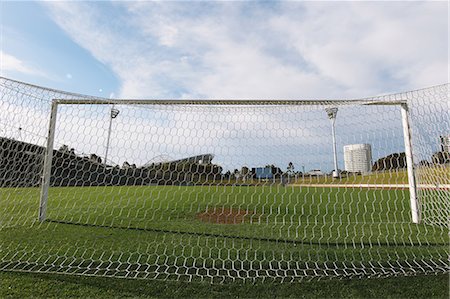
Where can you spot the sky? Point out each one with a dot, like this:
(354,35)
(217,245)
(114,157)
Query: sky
(226,49)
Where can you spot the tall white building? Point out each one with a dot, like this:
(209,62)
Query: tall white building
(445,143)
(358,158)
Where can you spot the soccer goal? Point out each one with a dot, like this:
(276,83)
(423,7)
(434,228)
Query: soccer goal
(224,190)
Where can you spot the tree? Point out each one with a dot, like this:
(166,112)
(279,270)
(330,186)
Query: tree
(440,158)
(64,148)
(424,163)
(290,169)
(245,171)
(390,162)
(275,170)
(95,158)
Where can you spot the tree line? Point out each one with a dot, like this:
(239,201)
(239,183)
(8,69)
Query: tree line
(21,165)
(398,161)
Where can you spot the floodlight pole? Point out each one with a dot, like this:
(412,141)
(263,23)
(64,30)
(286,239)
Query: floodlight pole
(332,116)
(415,207)
(46,173)
(113,114)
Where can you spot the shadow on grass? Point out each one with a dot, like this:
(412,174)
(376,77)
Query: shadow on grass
(379,243)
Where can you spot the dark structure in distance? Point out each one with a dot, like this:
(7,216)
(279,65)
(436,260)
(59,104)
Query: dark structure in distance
(21,166)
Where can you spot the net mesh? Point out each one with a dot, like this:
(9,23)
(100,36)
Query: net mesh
(222,191)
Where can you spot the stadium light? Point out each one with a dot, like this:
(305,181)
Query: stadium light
(331,112)
(113,114)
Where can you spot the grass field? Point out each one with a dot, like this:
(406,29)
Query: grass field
(27,285)
(154,231)
(397,177)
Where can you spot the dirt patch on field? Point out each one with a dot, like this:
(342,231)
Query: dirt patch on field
(222,215)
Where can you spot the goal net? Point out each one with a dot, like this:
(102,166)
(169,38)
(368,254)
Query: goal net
(224,190)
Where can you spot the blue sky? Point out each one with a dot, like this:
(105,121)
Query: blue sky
(35,49)
(206,49)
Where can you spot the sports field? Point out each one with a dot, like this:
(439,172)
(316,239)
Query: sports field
(162,232)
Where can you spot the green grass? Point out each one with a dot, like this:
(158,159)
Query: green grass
(153,232)
(394,177)
(425,175)
(26,285)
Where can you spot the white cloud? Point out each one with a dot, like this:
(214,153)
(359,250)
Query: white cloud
(10,63)
(373,47)
(234,50)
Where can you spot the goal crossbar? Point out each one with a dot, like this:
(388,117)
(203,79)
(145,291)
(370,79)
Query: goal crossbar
(243,102)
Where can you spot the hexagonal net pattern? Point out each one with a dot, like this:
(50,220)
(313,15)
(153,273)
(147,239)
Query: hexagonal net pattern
(224,190)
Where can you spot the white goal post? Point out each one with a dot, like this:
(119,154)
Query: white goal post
(415,212)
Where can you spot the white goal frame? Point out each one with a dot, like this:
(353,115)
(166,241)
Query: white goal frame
(414,201)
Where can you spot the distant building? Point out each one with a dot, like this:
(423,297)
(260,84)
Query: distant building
(204,159)
(445,143)
(200,159)
(315,172)
(358,158)
(263,173)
